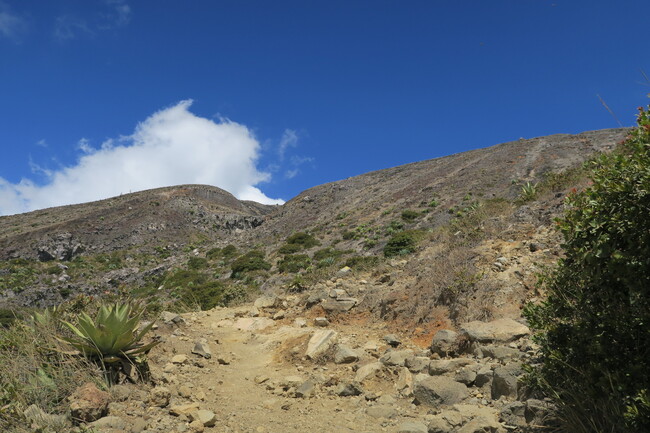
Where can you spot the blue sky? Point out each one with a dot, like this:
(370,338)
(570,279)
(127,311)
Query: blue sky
(268,98)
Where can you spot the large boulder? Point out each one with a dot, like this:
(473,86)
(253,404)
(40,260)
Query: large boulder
(436,390)
(504,383)
(444,342)
(320,342)
(500,331)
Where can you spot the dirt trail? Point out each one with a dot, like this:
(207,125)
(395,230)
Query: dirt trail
(249,383)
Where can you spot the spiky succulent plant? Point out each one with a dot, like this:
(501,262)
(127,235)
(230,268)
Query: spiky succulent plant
(113,336)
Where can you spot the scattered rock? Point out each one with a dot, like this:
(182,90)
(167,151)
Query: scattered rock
(504,383)
(513,414)
(412,427)
(160,396)
(109,422)
(442,366)
(279,315)
(169,318)
(392,340)
(396,357)
(404,384)
(185,409)
(367,370)
(179,359)
(305,389)
(321,322)
(349,389)
(382,411)
(206,417)
(39,417)
(345,354)
(417,364)
(343,271)
(201,348)
(266,301)
(500,352)
(466,376)
(320,342)
(338,305)
(88,403)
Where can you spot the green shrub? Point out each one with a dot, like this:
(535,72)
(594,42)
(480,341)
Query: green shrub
(594,327)
(410,215)
(293,263)
(290,248)
(402,243)
(304,239)
(327,253)
(251,261)
(226,253)
(197,263)
(347,235)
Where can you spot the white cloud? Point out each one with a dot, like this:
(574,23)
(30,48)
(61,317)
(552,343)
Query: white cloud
(113,14)
(289,139)
(171,147)
(84,146)
(11,25)
(41,143)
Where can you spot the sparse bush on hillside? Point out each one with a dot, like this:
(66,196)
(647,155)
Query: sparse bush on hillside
(410,215)
(593,328)
(362,262)
(37,368)
(402,243)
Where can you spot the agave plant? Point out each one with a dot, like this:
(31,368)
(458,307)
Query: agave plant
(113,339)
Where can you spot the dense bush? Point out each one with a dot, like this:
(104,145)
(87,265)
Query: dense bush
(227,252)
(402,243)
(293,263)
(251,261)
(290,248)
(304,239)
(594,327)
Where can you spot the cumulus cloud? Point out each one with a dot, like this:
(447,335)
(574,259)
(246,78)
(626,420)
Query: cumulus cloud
(171,147)
(11,25)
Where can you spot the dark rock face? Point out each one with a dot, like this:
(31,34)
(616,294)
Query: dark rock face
(61,246)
